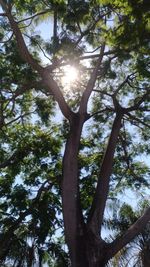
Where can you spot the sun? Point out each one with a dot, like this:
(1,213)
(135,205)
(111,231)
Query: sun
(70,75)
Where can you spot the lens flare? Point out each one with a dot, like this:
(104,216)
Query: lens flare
(70,75)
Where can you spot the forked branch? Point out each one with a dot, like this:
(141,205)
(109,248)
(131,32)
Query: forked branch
(20,41)
(91,83)
(44,72)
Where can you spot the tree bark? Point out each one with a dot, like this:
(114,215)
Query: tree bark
(97,210)
(146,256)
(129,235)
(73,219)
(91,251)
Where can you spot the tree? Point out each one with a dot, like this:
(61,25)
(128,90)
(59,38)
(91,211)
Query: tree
(136,253)
(112,95)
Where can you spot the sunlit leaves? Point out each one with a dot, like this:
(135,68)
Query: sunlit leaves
(33,134)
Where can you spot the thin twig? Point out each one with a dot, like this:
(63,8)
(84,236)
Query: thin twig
(138,120)
(33,16)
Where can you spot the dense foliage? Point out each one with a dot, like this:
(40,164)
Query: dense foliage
(108,43)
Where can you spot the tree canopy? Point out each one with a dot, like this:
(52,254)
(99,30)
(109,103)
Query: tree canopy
(70,150)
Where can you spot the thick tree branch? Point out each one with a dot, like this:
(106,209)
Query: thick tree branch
(53,88)
(20,41)
(50,86)
(129,235)
(91,83)
(97,210)
(48,81)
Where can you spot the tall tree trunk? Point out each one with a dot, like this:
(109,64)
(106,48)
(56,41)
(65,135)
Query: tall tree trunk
(73,219)
(91,251)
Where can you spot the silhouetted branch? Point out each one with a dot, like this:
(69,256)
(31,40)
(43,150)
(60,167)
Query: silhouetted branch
(129,235)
